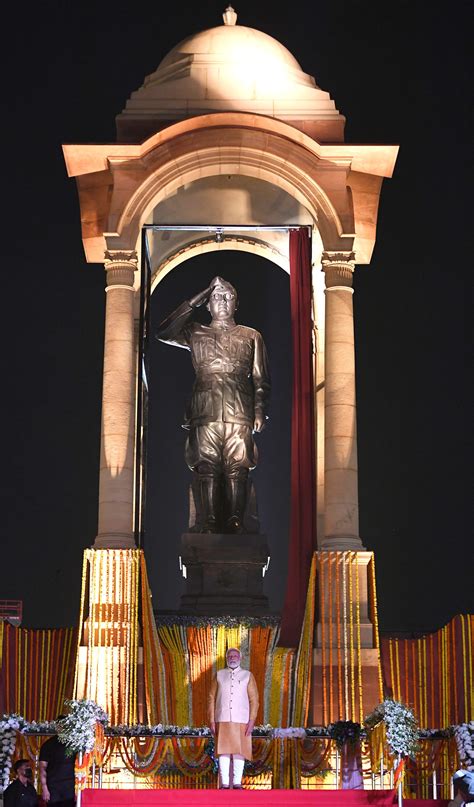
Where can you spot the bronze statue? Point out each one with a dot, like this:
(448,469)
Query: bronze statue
(229,402)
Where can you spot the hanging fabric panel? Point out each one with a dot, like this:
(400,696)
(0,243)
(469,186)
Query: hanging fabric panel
(303,477)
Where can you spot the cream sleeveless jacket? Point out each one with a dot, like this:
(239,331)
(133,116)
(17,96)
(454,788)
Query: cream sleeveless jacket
(233,697)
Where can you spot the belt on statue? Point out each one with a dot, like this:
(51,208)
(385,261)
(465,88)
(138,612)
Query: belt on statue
(237,374)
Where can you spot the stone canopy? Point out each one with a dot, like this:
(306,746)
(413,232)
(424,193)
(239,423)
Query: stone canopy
(229,124)
(230,132)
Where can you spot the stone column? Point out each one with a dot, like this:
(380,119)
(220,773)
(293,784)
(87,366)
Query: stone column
(116,487)
(341,530)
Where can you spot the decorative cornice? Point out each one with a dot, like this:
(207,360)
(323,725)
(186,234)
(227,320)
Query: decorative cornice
(338,268)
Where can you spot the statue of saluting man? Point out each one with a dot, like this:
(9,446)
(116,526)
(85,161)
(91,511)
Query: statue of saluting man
(229,403)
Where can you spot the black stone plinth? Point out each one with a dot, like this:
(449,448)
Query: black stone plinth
(224,574)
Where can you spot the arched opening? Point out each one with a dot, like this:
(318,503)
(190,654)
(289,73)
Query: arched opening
(264,304)
(259,202)
(253,155)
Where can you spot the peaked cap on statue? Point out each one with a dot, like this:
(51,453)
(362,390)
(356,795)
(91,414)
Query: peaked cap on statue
(219,284)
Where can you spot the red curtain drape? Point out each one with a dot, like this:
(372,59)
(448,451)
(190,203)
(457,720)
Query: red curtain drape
(303,481)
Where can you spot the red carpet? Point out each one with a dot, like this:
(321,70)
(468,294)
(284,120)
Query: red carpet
(253,798)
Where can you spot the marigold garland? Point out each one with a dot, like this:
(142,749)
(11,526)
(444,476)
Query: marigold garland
(107,652)
(434,673)
(304,656)
(37,668)
(291,754)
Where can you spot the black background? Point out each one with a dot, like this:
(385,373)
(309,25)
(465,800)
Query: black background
(398,72)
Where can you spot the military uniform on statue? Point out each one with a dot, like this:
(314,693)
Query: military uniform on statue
(229,402)
(232,711)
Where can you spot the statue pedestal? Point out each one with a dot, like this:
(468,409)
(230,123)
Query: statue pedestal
(224,574)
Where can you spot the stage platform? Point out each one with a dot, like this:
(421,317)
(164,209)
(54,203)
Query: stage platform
(257,798)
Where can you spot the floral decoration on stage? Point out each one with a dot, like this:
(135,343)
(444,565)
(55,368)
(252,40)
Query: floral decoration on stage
(218,621)
(345,731)
(464,734)
(176,751)
(267,731)
(9,726)
(401,726)
(160,730)
(77,731)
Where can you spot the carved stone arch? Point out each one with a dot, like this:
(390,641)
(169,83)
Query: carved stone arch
(210,152)
(203,245)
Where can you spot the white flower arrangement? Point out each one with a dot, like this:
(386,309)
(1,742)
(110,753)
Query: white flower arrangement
(9,725)
(464,734)
(289,733)
(401,724)
(77,730)
(160,729)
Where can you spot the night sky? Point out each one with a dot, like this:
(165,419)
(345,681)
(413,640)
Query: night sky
(398,72)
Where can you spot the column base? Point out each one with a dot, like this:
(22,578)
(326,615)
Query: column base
(110,667)
(365,633)
(92,666)
(114,540)
(347,677)
(341,543)
(331,684)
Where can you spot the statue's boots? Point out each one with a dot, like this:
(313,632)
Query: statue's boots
(236,500)
(209,489)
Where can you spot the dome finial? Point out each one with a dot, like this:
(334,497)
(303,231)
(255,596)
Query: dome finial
(229,16)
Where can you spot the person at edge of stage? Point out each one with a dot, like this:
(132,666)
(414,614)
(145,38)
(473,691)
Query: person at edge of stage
(463,782)
(232,711)
(21,792)
(57,773)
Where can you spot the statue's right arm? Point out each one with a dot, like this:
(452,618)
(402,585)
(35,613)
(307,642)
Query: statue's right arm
(173,329)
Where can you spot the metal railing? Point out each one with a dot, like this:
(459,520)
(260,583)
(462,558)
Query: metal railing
(381,779)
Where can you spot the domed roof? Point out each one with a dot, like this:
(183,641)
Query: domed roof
(233,43)
(229,68)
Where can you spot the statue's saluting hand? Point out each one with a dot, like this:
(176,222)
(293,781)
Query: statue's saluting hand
(202,297)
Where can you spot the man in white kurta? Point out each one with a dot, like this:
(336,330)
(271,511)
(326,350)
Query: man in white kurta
(232,710)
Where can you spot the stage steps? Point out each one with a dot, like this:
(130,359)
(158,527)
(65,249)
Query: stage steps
(255,798)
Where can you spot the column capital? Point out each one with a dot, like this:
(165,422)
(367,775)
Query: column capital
(120,256)
(120,266)
(338,268)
